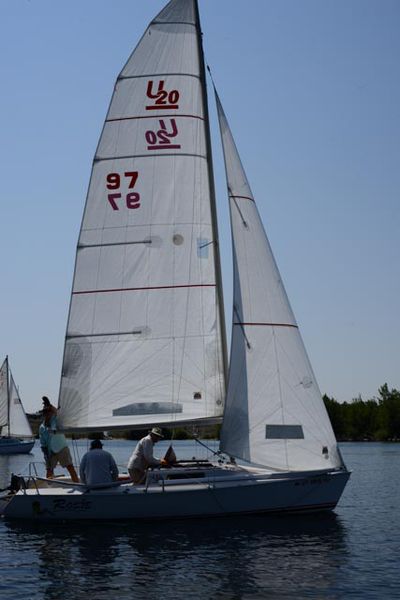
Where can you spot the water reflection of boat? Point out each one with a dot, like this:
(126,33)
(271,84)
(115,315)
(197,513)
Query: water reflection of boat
(255,557)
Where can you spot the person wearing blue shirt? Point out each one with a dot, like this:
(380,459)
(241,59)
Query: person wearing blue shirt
(97,466)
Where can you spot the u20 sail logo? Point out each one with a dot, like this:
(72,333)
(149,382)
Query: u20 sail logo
(162,99)
(161,139)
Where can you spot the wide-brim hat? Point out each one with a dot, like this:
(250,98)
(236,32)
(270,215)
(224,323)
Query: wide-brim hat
(157,431)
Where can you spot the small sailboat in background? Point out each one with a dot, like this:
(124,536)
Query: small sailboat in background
(15,434)
(146,343)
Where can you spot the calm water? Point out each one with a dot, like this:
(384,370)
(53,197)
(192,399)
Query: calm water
(353,553)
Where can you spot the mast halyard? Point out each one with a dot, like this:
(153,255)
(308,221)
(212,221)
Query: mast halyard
(217,257)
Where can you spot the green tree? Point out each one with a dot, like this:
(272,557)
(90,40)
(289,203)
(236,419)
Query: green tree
(389,418)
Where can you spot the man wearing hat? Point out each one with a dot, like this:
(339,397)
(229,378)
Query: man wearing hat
(98,466)
(142,457)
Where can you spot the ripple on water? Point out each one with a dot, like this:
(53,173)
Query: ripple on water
(351,554)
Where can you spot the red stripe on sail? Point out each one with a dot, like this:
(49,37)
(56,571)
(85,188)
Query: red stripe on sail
(140,289)
(155,117)
(270,324)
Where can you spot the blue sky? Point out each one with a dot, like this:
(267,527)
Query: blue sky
(311,89)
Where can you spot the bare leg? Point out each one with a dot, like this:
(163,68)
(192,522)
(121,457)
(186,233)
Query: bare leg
(49,467)
(72,472)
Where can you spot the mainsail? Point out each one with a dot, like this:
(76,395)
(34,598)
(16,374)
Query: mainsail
(144,341)
(274,413)
(13,420)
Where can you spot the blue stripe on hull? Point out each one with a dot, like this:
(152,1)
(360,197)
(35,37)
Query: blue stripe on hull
(17,447)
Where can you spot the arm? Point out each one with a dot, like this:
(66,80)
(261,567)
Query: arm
(44,439)
(148,454)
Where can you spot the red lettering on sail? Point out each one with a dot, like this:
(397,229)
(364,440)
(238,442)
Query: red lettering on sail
(112,198)
(162,99)
(113,182)
(160,140)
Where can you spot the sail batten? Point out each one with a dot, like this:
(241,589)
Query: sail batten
(144,336)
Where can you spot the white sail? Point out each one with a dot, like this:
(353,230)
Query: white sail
(274,413)
(13,420)
(143,342)
(19,424)
(4,397)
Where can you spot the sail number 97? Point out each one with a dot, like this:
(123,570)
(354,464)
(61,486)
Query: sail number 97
(115,181)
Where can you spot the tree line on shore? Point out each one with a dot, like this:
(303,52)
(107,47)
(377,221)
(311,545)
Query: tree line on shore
(377,419)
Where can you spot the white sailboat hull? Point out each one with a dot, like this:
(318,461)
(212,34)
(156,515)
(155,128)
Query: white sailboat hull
(15,446)
(230,494)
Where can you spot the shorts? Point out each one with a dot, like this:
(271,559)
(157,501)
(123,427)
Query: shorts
(137,476)
(63,457)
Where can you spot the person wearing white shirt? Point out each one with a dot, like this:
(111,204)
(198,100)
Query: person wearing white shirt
(142,457)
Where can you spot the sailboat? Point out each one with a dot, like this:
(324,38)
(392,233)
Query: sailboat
(15,434)
(146,343)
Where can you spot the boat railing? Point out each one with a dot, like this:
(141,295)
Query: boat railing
(32,467)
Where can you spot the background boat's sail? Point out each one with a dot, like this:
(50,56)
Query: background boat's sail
(4,397)
(19,424)
(143,342)
(13,420)
(274,413)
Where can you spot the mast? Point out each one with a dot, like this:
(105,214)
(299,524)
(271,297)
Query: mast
(212,195)
(8,395)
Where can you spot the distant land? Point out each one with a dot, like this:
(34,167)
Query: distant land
(377,419)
